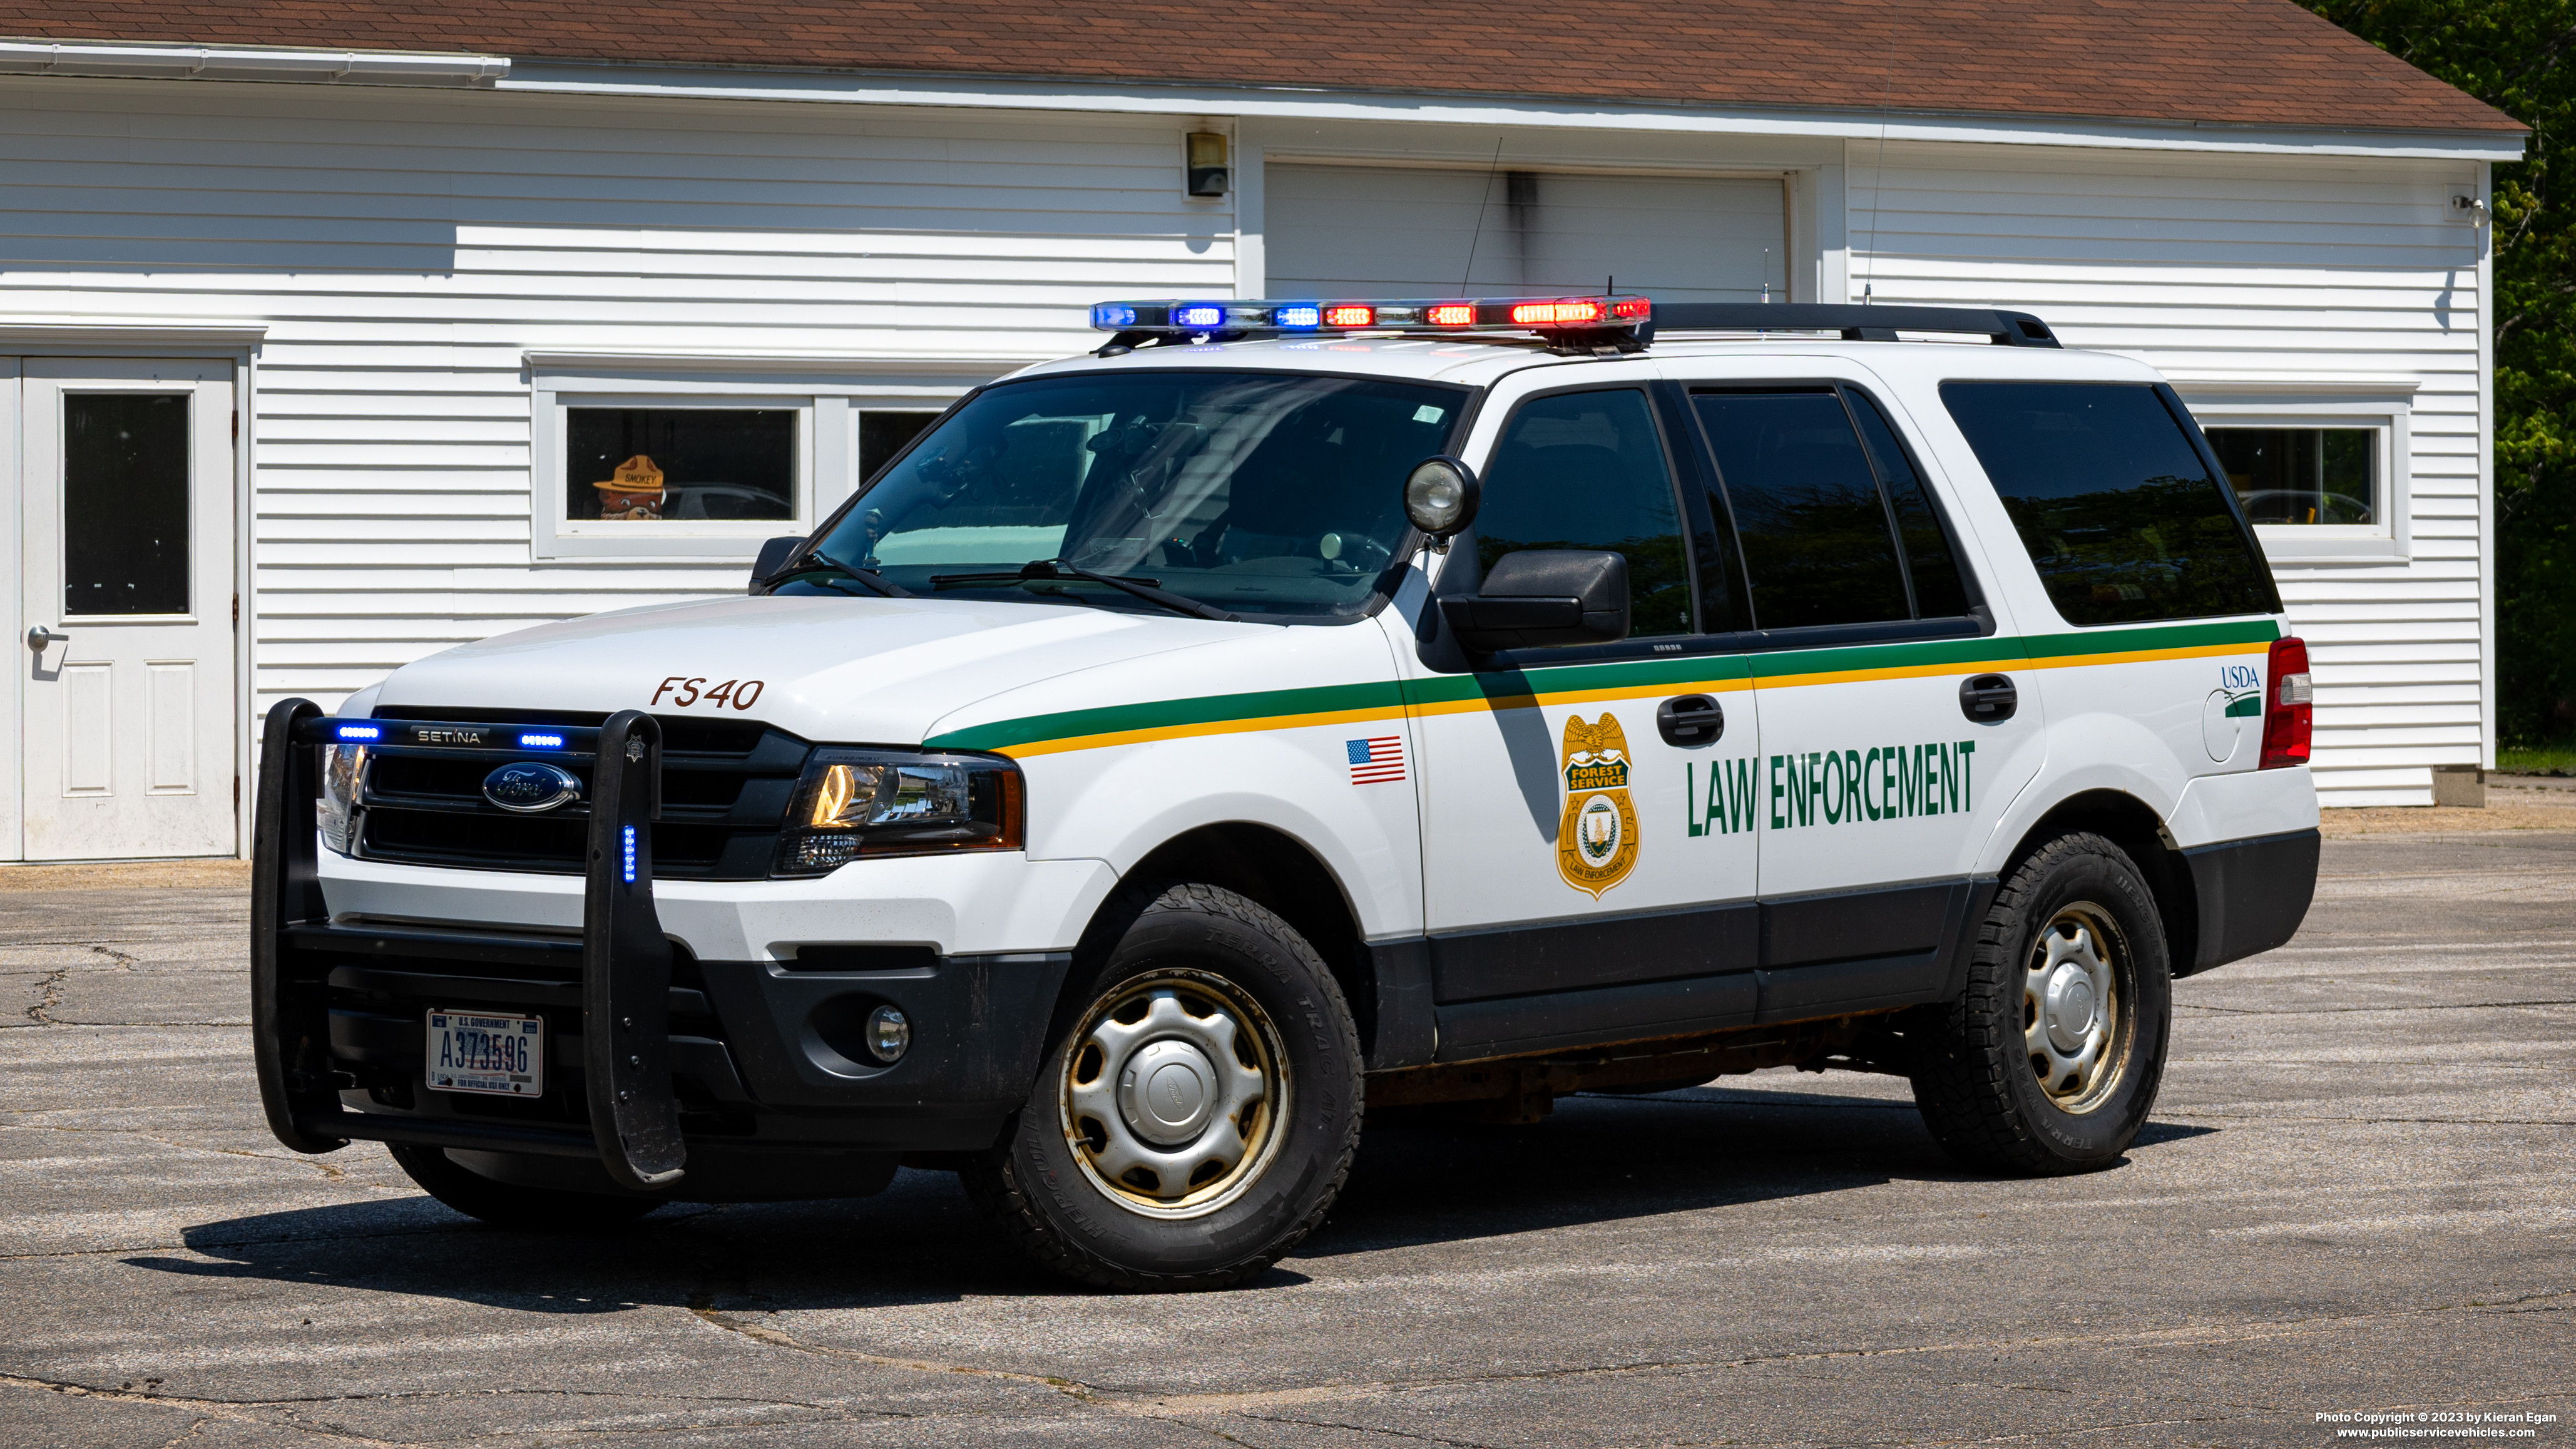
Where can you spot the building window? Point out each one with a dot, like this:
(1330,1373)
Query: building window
(884,432)
(2303,477)
(679,465)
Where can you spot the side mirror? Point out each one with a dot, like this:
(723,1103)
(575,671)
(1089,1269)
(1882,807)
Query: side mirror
(1440,496)
(1544,598)
(773,557)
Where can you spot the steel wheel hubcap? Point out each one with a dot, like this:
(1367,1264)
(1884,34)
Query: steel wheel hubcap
(1173,1090)
(2071,1006)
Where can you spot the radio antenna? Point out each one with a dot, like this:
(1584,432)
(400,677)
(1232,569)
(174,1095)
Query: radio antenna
(1482,202)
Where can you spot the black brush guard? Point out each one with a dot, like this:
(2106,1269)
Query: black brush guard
(625,958)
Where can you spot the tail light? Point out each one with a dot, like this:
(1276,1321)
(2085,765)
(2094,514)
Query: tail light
(2289,706)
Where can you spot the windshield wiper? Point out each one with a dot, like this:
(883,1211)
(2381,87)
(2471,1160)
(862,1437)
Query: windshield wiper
(818,562)
(1056,568)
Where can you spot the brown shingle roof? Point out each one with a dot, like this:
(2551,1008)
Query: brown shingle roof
(2250,62)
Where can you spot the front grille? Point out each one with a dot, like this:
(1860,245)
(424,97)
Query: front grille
(725,787)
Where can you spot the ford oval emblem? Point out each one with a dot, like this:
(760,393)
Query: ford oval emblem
(528,786)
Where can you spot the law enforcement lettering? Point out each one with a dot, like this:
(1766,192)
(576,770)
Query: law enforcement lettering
(1831,787)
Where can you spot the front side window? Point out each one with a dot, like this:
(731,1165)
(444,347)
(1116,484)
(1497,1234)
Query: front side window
(2302,476)
(1257,493)
(2112,501)
(1587,470)
(655,465)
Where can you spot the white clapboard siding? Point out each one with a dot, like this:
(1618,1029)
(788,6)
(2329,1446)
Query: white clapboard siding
(2281,268)
(407,250)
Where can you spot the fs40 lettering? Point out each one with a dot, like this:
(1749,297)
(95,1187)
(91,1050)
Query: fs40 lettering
(694,691)
(1830,787)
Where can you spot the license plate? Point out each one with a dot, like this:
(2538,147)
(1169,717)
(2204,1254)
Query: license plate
(501,1056)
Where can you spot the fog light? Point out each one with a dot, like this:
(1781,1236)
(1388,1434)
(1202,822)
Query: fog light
(888,1034)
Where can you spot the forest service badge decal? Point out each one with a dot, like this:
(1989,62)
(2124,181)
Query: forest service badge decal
(1596,842)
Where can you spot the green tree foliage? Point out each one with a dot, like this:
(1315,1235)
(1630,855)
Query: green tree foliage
(2520,57)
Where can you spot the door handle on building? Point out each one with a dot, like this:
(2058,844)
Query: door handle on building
(38,636)
(1690,719)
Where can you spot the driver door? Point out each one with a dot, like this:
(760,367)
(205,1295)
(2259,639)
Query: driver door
(1577,878)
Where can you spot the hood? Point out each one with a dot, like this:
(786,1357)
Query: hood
(850,671)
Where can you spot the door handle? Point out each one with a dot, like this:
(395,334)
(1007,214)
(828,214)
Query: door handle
(39,636)
(1989,699)
(1690,719)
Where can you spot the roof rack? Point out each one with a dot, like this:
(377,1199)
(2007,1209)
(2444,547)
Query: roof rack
(1857,323)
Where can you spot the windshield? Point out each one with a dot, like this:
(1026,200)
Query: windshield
(1256,493)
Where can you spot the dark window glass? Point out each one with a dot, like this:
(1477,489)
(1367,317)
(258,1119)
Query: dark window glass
(1586,470)
(1938,593)
(679,463)
(2112,501)
(883,434)
(1262,493)
(125,503)
(1807,509)
(2301,475)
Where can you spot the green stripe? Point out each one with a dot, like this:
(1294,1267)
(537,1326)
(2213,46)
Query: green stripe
(1163,714)
(1389,695)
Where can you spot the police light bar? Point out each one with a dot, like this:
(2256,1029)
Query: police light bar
(1425,315)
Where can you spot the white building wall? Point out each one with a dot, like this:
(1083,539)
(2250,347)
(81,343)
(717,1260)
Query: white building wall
(2266,273)
(407,250)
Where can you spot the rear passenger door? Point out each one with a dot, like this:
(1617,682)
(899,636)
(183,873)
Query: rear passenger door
(1878,780)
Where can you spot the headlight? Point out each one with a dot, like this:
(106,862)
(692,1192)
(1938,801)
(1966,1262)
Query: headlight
(852,803)
(343,766)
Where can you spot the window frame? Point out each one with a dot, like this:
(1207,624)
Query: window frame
(827,393)
(1977,622)
(2384,408)
(1462,570)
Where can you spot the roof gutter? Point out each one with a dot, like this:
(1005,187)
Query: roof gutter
(262,63)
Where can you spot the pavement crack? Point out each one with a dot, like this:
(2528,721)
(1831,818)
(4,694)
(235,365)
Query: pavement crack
(731,1323)
(331,1172)
(52,997)
(2366,1010)
(1370,1429)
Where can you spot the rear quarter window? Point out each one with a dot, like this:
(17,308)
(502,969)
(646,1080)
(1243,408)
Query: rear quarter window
(2117,508)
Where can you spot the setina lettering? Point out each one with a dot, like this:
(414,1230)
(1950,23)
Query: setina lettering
(1830,787)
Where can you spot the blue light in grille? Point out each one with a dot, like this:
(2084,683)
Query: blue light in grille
(630,855)
(541,742)
(360,732)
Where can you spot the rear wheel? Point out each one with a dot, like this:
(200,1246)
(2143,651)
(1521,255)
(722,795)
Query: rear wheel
(2050,1062)
(1196,1114)
(505,1205)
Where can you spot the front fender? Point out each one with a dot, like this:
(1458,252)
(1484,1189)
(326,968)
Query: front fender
(1120,803)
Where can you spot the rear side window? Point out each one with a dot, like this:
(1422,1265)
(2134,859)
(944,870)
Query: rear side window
(2116,507)
(1587,470)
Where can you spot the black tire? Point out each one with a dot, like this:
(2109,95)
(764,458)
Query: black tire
(1977,1062)
(1210,949)
(527,1209)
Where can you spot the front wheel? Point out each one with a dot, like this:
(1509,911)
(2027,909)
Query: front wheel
(2050,1061)
(1197,1114)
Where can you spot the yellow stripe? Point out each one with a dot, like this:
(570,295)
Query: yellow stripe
(1497,703)
(1996,666)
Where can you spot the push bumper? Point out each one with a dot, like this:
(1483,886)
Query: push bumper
(699,1079)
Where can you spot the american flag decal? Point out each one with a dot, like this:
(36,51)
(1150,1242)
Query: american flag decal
(1376,762)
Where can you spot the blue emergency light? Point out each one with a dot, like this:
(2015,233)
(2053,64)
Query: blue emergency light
(360,732)
(541,742)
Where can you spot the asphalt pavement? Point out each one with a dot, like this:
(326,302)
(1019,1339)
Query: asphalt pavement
(2354,1199)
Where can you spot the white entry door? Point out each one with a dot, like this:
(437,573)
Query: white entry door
(126,712)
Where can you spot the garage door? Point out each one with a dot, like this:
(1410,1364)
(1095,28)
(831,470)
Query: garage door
(1408,231)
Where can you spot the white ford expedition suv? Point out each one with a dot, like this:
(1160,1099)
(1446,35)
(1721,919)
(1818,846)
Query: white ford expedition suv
(1300,710)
